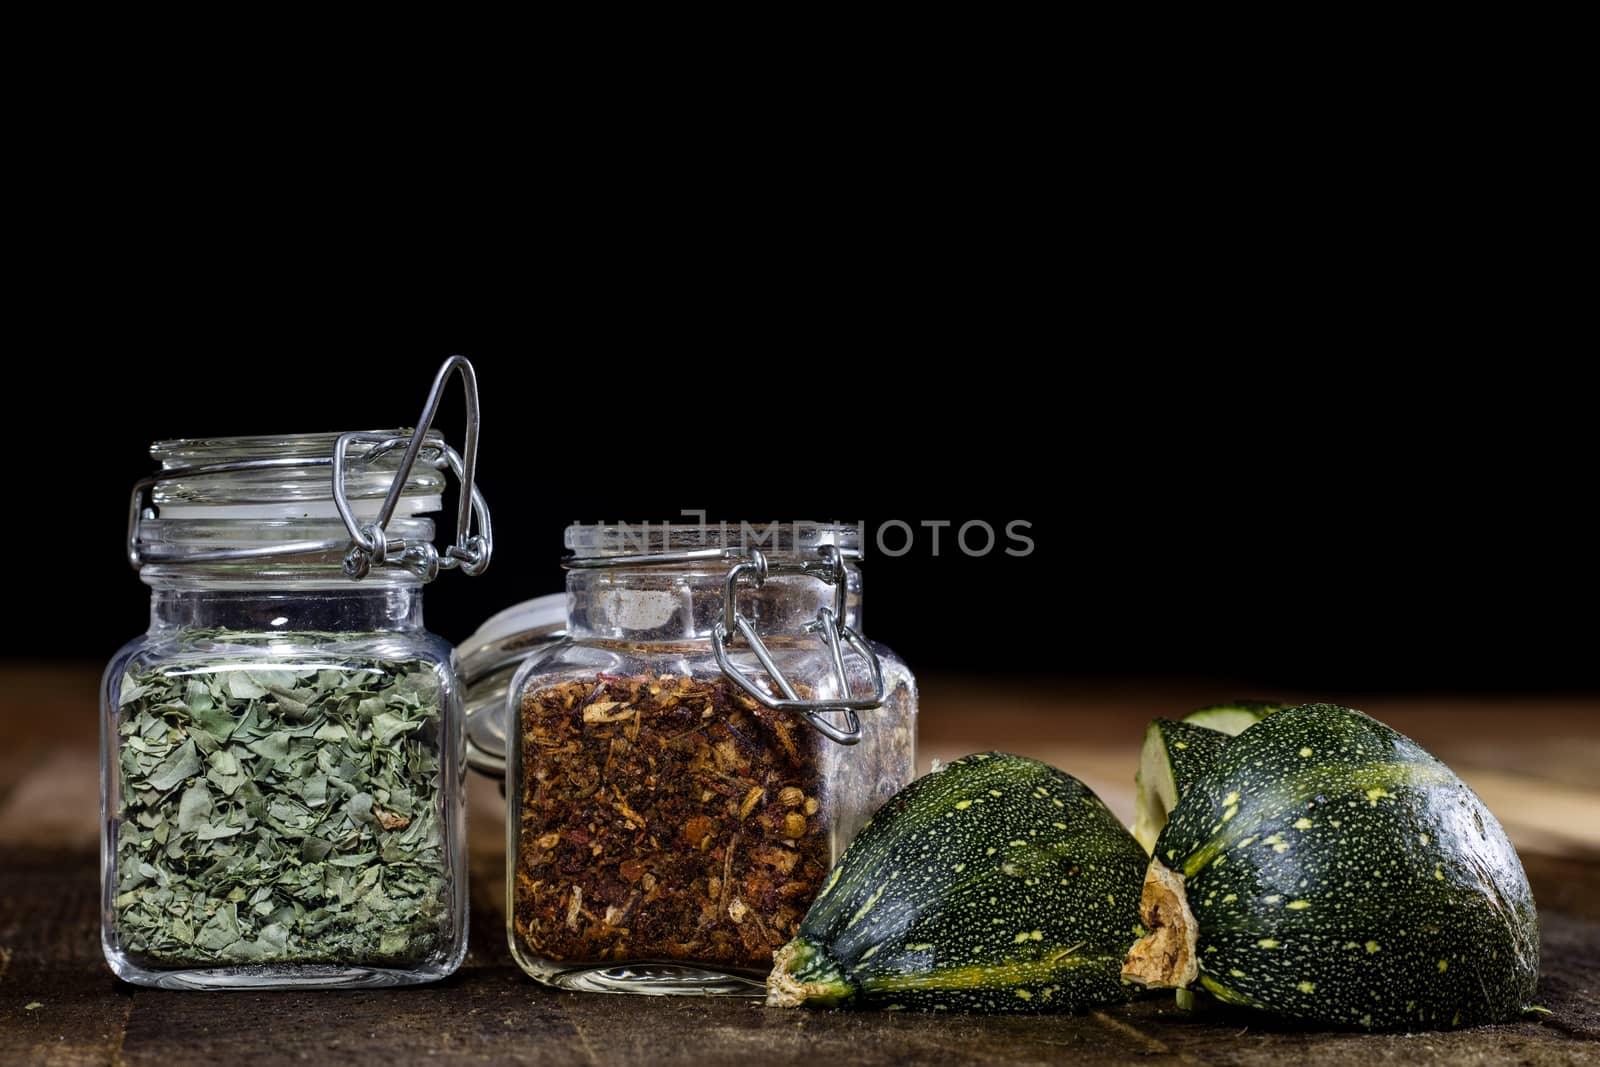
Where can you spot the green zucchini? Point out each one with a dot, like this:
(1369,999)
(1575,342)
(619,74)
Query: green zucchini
(995,884)
(1329,869)
(1174,755)
(1176,752)
(1232,719)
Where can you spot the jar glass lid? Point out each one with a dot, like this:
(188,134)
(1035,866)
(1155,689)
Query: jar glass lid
(206,478)
(489,659)
(313,500)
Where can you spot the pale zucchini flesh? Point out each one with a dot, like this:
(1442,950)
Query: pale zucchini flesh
(1174,754)
(1234,718)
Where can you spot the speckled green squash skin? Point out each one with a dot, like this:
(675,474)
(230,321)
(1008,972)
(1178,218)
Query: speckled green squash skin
(1337,872)
(1179,751)
(1191,750)
(997,884)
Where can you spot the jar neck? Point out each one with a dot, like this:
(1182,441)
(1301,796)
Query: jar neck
(649,604)
(288,607)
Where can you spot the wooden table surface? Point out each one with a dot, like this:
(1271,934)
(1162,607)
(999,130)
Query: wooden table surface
(1533,760)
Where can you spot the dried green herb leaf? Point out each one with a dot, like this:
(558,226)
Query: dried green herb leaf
(241,687)
(194,810)
(331,731)
(221,930)
(215,720)
(387,727)
(129,692)
(274,746)
(181,764)
(280,816)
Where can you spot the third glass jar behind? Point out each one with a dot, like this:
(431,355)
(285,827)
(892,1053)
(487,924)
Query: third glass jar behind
(683,770)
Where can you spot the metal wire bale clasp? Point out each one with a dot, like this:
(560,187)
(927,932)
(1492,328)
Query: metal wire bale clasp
(369,544)
(829,623)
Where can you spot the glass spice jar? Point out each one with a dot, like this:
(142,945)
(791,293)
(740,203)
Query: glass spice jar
(282,754)
(687,762)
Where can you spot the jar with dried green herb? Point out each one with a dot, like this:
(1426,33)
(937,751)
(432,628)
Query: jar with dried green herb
(686,763)
(282,750)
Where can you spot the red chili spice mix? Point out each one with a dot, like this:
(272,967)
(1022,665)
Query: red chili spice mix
(665,818)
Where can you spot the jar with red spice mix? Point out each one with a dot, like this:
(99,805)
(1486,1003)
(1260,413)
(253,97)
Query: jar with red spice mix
(685,764)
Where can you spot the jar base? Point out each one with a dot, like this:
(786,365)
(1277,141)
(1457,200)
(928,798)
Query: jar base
(649,979)
(277,977)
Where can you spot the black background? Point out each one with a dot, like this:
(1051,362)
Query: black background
(1296,520)
(1290,379)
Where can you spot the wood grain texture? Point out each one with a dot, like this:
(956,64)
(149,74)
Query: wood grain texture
(59,1003)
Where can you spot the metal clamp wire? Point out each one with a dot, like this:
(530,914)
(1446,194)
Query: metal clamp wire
(368,544)
(829,623)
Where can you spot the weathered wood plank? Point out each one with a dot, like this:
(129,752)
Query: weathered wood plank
(483,1016)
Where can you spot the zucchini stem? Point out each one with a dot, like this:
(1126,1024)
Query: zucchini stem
(1167,957)
(806,973)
